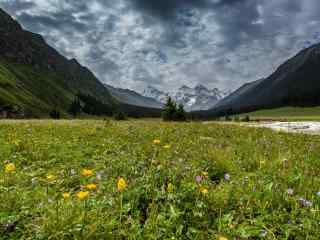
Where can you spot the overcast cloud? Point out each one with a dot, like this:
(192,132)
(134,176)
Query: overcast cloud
(168,43)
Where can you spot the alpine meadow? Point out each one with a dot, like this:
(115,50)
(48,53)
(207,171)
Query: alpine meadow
(146,119)
(146,179)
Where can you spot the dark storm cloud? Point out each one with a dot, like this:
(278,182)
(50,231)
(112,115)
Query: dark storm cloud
(168,43)
(168,9)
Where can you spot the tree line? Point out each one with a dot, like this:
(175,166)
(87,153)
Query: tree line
(91,106)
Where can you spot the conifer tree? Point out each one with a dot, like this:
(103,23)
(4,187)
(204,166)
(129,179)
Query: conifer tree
(169,110)
(181,114)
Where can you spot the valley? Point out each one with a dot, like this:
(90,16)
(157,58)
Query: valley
(117,120)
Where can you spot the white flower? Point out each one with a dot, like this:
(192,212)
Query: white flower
(263,233)
(99,176)
(290,191)
(73,172)
(305,203)
(227,177)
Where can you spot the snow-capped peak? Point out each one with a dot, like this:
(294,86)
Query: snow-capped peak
(197,98)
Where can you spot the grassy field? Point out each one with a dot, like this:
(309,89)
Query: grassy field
(287,114)
(154,180)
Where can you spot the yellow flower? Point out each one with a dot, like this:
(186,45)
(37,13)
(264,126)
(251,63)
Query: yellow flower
(204,190)
(121,184)
(167,146)
(156,141)
(66,195)
(10,167)
(170,188)
(205,174)
(91,186)
(222,238)
(51,177)
(82,195)
(86,172)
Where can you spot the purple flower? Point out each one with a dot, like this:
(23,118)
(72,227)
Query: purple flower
(227,177)
(198,179)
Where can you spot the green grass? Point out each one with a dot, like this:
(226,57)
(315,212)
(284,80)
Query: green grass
(35,91)
(287,113)
(272,178)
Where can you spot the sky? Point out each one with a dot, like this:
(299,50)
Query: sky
(170,43)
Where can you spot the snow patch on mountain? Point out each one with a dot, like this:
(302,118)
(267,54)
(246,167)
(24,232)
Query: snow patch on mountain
(193,99)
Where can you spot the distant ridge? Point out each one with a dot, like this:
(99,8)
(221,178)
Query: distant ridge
(294,83)
(131,97)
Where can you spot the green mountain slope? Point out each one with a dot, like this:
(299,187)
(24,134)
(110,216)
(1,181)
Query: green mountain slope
(296,83)
(35,92)
(36,78)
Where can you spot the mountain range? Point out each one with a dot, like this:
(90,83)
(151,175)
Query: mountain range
(197,98)
(36,79)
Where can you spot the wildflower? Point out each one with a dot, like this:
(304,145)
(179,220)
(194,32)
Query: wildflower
(263,233)
(91,186)
(205,174)
(73,172)
(204,190)
(305,203)
(34,181)
(66,195)
(222,238)
(51,177)
(170,188)
(166,146)
(198,179)
(121,185)
(10,167)
(86,172)
(82,195)
(290,191)
(156,141)
(99,176)
(227,177)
